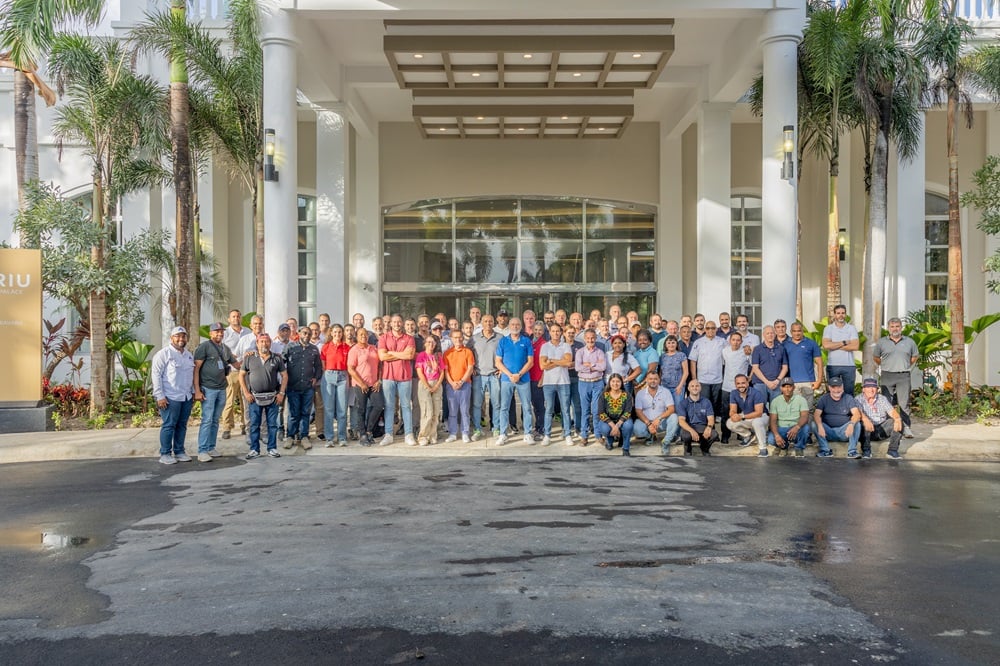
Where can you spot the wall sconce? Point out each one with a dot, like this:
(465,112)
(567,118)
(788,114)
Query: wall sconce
(270,173)
(842,243)
(788,147)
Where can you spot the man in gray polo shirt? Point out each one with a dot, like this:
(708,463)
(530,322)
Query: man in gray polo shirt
(895,355)
(485,378)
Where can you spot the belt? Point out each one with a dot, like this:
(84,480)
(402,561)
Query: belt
(597,379)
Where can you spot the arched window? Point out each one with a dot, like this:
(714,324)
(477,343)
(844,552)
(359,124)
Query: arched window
(746,259)
(936,250)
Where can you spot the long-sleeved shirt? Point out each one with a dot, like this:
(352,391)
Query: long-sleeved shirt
(172,372)
(598,362)
(303,365)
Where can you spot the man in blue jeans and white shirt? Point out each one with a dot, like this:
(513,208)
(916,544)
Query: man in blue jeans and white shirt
(837,418)
(514,358)
(172,372)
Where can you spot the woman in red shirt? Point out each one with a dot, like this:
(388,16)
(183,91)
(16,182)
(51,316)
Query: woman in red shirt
(335,380)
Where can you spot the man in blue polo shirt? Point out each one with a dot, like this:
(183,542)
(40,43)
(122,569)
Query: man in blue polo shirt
(837,418)
(696,418)
(769,365)
(805,363)
(746,414)
(515,356)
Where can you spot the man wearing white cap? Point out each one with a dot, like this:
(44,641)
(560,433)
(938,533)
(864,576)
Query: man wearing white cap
(173,387)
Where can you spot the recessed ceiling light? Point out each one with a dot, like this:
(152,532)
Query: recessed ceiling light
(520,129)
(636,55)
(480,118)
(577,74)
(475,75)
(527,56)
(600,129)
(442,129)
(418,56)
(565,118)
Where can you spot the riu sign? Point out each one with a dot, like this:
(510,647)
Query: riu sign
(21,327)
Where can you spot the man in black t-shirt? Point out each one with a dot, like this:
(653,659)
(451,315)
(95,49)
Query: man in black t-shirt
(213,361)
(837,419)
(264,381)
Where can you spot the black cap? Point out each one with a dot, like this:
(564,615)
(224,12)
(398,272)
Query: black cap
(502,313)
(835,381)
(787,381)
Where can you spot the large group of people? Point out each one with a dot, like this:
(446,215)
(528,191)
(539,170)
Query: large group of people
(608,378)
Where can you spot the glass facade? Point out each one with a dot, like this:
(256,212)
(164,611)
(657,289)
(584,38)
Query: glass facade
(935,250)
(747,273)
(306,249)
(518,253)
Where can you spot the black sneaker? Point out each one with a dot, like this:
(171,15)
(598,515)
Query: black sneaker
(252,455)
(273,453)
(893,454)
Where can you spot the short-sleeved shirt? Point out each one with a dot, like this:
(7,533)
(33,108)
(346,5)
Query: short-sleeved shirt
(746,405)
(734,363)
(750,339)
(263,376)
(707,352)
(457,362)
(575,347)
(303,363)
(486,352)
(398,370)
(245,345)
(769,360)
(432,365)
(696,412)
(645,357)
(555,352)
(672,369)
(623,365)
(216,363)
(656,337)
(535,373)
(844,333)
(836,412)
(789,411)
(364,361)
(654,405)
(515,355)
(231,337)
(895,355)
(335,356)
(802,357)
(877,413)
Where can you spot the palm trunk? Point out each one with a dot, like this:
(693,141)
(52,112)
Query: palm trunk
(258,227)
(196,242)
(181,150)
(833,283)
(956,287)
(25,134)
(99,368)
(874,287)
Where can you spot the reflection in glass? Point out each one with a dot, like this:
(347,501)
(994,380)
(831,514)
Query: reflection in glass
(936,288)
(642,262)
(613,222)
(486,220)
(307,238)
(417,262)
(307,263)
(935,205)
(551,262)
(550,220)
(483,261)
(936,260)
(420,224)
(306,208)
(307,290)
(936,232)
(608,262)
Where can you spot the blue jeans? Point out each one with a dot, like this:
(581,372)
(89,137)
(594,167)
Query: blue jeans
(848,373)
(770,393)
(211,411)
(480,386)
(506,400)
(574,398)
(551,392)
(299,406)
(270,414)
(668,427)
(801,438)
(458,407)
(839,435)
(335,403)
(604,430)
(175,424)
(590,392)
(402,391)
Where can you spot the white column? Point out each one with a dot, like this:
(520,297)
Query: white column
(910,233)
(280,198)
(669,229)
(366,230)
(991,340)
(332,192)
(782,32)
(714,209)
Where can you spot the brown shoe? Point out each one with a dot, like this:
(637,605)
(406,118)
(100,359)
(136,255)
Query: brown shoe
(306,444)
(225,434)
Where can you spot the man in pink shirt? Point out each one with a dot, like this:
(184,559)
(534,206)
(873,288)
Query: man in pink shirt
(366,385)
(396,351)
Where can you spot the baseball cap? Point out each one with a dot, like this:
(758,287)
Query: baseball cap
(177,330)
(869,381)
(502,313)
(436,325)
(787,381)
(284,327)
(835,381)
(216,326)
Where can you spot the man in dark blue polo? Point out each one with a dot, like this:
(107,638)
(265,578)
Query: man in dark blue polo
(768,365)
(515,356)
(696,418)
(805,363)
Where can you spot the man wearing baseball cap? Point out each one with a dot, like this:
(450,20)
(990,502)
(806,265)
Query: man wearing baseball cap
(172,372)
(876,413)
(213,363)
(837,418)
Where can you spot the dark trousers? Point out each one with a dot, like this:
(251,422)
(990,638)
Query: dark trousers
(848,373)
(726,432)
(538,406)
(883,431)
(714,394)
(704,442)
(368,408)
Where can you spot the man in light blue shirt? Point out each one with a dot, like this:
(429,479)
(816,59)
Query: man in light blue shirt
(172,373)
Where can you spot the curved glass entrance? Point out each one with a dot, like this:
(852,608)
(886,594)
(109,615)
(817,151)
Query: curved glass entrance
(518,253)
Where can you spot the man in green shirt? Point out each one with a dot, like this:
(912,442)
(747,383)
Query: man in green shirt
(789,419)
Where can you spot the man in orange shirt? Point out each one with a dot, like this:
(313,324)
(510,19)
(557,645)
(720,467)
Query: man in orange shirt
(459,362)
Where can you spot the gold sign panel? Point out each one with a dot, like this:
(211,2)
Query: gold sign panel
(21,326)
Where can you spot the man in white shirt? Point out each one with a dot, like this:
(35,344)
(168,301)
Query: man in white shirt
(231,338)
(841,340)
(172,374)
(654,411)
(556,358)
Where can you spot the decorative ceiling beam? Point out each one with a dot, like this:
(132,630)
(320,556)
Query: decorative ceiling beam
(521,110)
(553,69)
(444,93)
(609,60)
(583,127)
(526,43)
(500,68)
(446,59)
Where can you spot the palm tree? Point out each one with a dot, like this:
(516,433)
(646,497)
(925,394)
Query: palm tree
(119,118)
(227,97)
(27,28)
(888,87)
(941,41)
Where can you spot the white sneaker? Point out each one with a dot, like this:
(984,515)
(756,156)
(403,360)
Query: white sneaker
(182,457)
(214,453)
(410,441)
(204,457)
(907,433)
(466,439)
(546,440)
(386,441)
(501,440)
(451,438)
(167,459)
(423,441)
(569,441)
(529,439)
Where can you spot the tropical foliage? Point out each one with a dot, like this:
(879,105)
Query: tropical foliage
(985,196)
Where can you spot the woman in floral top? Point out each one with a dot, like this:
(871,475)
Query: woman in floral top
(614,411)
(429,365)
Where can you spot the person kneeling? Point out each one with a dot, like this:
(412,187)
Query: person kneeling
(696,417)
(614,406)
(876,411)
(789,419)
